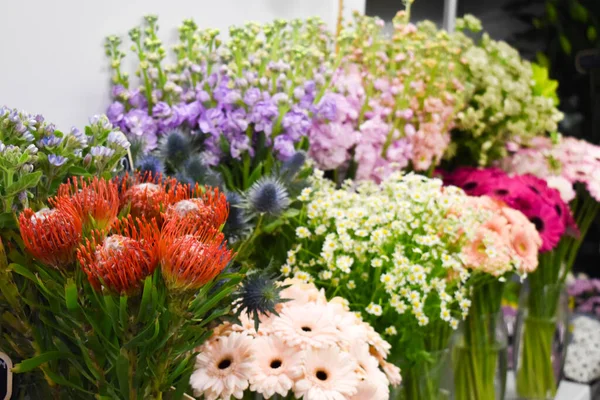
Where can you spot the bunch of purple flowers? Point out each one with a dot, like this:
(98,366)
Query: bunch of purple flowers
(586,295)
(244,108)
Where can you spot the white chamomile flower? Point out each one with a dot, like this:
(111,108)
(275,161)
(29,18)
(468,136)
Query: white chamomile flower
(374,309)
(391,331)
(302,232)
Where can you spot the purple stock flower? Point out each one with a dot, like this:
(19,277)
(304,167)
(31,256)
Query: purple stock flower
(141,125)
(211,121)
(202,96)
(56,160)
(161,110)
(191,112)
(117,91)
(327,109)
(236,120)
(262,115)
(115,113)
(238,145)
(137,99)
(252,96)
(284,147)
(296,124)
(169,117)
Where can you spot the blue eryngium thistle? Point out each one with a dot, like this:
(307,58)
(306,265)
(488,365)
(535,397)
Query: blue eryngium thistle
(150,164)
(237,225)
(259,294)
(175,148)
(293,165)
(268,196)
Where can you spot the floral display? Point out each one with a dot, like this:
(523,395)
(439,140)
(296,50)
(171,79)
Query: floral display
(36,157)
(505,106)
(309,348)
(144,286)
(545,208)
(586,295)
(402,253)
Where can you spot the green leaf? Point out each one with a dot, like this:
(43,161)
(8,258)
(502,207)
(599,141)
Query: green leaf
(256,174)
(8,221)
(146,296)
(76,170)
(26,182)
(64,382)
(33,363)
(592,34)
(123,312)
(565,44)
(71,295)
(269,228)
(291,213)
(122,368)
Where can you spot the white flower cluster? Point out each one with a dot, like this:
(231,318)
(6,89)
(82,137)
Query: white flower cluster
(503,103)
(390,249)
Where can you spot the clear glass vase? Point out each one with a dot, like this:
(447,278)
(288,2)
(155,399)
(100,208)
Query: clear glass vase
(426,380)
(541,339)
(479,350)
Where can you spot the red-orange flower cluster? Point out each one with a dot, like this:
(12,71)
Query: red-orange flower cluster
(191,254)
(52,236)
(207,206)
(96,201)
(121,261)
(149,196)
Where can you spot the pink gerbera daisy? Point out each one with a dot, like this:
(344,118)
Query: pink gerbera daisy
(328,374)
(276,366)
(374,383)
(224,367)
(308,325)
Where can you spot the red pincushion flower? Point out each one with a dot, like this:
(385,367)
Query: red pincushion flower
(120,262)
(149,196)
(191,255)
(52,236)
(96,201)
(208,206)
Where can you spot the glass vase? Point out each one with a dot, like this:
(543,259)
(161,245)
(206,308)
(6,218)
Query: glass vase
(479,352)
(541,339)
(426,380)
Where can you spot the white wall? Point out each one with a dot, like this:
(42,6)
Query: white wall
(52,58)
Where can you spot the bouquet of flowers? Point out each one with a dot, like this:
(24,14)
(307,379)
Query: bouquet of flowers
(396,100)
(123,279)
(506,243)
(35,159)
(307,348)
(506,104)
(569,165)
(229,114)
(540,311)
(395,250)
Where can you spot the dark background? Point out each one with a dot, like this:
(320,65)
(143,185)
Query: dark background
(551,32)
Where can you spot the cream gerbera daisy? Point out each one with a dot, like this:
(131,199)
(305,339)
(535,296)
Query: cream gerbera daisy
(328,374)
(301,293)
(223,367)
(379,345)
(275,367)
(391,371)
(305,326)
(373,380)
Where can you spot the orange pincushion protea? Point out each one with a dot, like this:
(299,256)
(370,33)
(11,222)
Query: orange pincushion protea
(207,206)
(124,259)
(149,196)
(191,255)
(52,236)
(96,201)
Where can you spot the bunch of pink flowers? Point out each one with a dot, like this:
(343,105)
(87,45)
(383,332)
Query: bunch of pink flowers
(542,205)
(313,349)
(562,164)
(505,240)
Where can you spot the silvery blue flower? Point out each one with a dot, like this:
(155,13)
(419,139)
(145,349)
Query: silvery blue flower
(31,149)
(49,141)
(268,196)
(118,138)
(57,160)
(150,164)
(101,151)
(79,136)
(294,164)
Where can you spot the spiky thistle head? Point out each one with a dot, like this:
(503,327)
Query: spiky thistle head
(150,164)
(175,148)
(268,196)
(238,222)
(52,235)
(120,262)
(293,165)
(259,295)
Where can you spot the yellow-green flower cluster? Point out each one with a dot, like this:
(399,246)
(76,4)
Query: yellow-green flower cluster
(504,105)
(393,250)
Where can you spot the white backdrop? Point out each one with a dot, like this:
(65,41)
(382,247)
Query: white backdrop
(52,58)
